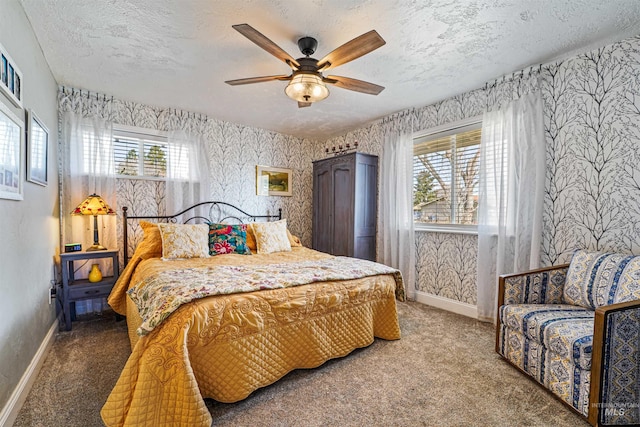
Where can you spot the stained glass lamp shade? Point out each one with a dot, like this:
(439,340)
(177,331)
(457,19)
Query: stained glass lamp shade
(94,205)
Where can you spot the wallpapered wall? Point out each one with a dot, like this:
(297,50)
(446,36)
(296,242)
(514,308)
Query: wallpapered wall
(233,153)
(592,190)
(592,106)
(592,122)
(440,268)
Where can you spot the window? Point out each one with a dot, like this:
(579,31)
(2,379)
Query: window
(445,175)
(139,154)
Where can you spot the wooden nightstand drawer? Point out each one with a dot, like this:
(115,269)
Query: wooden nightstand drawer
(89,291)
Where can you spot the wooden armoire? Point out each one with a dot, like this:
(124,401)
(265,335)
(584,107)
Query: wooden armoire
(345,202)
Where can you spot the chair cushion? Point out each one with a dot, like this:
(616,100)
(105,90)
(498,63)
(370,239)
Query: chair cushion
(559,374)
(562,329)
(595,279)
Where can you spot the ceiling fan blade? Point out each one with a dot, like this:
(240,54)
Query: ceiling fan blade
(261,40)
(304,104)
(351,50)
(250,80)
(354,84)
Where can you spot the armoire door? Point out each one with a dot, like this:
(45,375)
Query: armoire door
(323,208)
(365,210)
(342,237)
(345,205)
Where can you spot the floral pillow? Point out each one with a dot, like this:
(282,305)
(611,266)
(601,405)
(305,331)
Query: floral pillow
(181,241)
(271,236)
(228,239)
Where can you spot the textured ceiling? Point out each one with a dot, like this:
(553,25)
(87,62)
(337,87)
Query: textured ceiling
(178,53)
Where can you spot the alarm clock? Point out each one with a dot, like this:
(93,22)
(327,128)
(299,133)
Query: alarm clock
(72,247)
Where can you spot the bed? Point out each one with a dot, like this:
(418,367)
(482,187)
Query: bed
(225,325)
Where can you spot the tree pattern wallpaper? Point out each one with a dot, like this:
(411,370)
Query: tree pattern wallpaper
(233,150)
(592,123)
(592,188)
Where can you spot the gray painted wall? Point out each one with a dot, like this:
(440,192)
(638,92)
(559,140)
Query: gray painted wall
(29,229)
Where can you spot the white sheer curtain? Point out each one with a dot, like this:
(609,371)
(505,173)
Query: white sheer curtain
(187,172)
(88,167)
(512,171)
(396,194)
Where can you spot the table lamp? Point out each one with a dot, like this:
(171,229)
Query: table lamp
(94,205)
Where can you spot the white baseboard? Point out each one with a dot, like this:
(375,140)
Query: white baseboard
(9,413)
(448,304)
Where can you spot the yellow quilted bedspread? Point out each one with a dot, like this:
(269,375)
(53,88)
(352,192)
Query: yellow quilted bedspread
(226,346)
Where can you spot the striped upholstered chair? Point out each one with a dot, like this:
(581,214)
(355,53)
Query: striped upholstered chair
(575,329)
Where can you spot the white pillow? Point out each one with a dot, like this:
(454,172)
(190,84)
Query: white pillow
(271,237)
(181,241)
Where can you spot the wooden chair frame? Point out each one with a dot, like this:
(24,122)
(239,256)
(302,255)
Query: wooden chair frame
(602,314)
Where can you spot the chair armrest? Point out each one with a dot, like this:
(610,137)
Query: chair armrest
(615,365)
(541,286)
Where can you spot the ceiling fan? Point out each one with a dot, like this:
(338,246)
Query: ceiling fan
(306,82)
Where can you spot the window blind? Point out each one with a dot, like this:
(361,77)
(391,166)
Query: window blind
(140,155)
(445,170)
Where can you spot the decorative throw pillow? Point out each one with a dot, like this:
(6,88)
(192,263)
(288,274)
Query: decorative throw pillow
(293,240)
(595,279)
(184,241)
(151,245)
(228,239)
(271,236)
(251,239)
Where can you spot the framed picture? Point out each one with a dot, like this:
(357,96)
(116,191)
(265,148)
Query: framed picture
(11,154)
(37,150)
(273,181)
(17,87)
(11,82)
(11,78)
(4,71)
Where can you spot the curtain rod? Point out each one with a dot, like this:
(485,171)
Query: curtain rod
(176,112)
(88,93)
(514,75)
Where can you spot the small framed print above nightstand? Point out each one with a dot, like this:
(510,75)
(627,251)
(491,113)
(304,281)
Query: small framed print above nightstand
(77,289)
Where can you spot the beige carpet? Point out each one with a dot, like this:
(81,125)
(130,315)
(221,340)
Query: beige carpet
(443,372)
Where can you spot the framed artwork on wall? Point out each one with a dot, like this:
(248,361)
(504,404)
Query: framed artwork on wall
(4,71)
(272,181)
(37,149)
(11,154)
(10,78)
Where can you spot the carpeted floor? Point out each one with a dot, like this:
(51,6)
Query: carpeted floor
(443,372)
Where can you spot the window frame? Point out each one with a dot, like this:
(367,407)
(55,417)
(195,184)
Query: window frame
(439,132)
(142,135)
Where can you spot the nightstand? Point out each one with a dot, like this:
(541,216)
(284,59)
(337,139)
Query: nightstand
(80,289)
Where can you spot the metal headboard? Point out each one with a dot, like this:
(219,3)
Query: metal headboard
(215,207)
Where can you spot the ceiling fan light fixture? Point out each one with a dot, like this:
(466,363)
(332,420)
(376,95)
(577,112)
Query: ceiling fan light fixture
(306,87)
